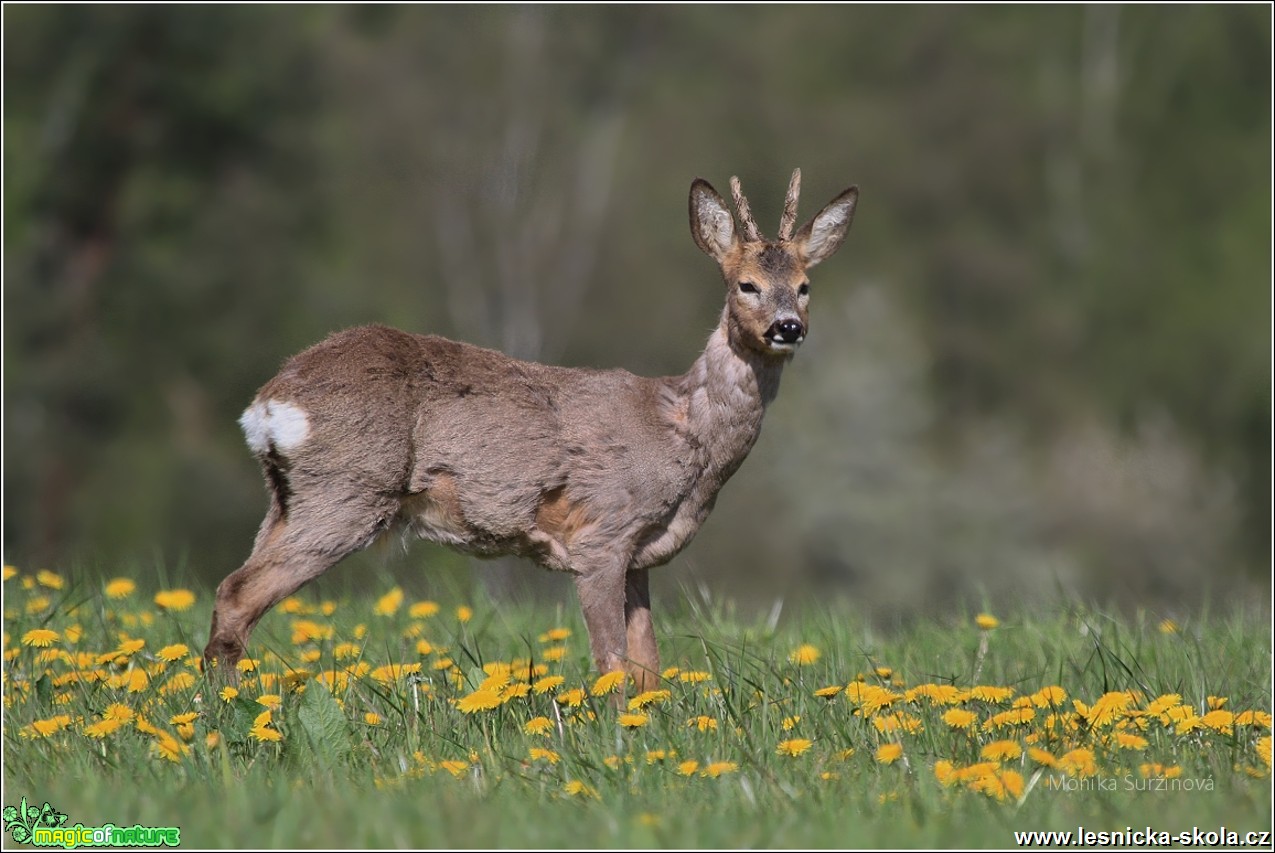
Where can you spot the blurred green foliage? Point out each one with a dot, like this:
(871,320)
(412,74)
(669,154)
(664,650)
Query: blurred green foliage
(1064,233)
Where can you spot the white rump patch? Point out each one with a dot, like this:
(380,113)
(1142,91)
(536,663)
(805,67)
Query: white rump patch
(269,423)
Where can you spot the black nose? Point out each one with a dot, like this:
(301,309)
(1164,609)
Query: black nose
(788,331)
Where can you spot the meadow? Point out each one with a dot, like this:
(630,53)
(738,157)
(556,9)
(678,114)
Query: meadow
(378,719)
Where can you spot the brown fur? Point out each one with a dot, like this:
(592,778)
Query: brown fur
(596,472)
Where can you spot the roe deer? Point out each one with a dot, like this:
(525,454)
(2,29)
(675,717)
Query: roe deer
(596,472)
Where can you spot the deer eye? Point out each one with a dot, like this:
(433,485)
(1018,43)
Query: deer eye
(748,287)
(804,289)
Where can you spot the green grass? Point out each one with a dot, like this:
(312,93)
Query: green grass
(334,778)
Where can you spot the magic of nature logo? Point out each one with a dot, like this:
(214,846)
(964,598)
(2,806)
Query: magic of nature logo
(44,826)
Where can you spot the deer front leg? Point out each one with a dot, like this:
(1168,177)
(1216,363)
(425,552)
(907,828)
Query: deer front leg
(643,655)
(602,600)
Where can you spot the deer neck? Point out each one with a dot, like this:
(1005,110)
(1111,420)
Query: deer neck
(725,395)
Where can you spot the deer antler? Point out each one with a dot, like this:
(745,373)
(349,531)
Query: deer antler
(751,233)
(789,218)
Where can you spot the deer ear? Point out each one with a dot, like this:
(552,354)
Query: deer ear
(822,236)
(712,226)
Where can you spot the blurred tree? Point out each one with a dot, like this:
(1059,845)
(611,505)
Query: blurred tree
(1067,209)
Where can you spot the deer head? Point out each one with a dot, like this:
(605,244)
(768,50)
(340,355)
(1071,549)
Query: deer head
(767,289)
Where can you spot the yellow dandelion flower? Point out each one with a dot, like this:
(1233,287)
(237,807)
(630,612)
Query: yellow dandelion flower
(898,721)
(828,692)
(1263,747)
(261,728)
(936,694)
(1109,708)
(456,768)
(295,606)
(134,680)
(1002,750)
(1124,740)
(804,655)
(228,693)
(671,672)
(1012,717)
(945,772)
(553,654)
(538,754)
(392,672)
(168,747)
(1049,697)
(120,588)
(515,691)
(10,572)
(52,580)
(464,614)
(633,721)
(103,728)
(423,609)
(958,718)
(1079,762)
(49,727)
(609,683)
(790,723)
(388,604)
(1161,704)
(1041,756)
(648,697)
(1257,719)
(183,719)
(688,768)
(794,747)
(308,631)
(988,693)
(703,723)
(986,621)
(694,677)
(717,768)
(118,711)
(1219,721)
(888,753)
(538,726)
(1216,702)
(179,681)
(1000,784)
(1168,626)
(869,697)
(41,637)
(174,599)
(176,651)
(479,700)
(576,788)
(548,684)
(372,718)
(573,698)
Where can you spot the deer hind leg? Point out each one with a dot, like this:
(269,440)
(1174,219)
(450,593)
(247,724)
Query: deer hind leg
(289,552)
(643,655)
